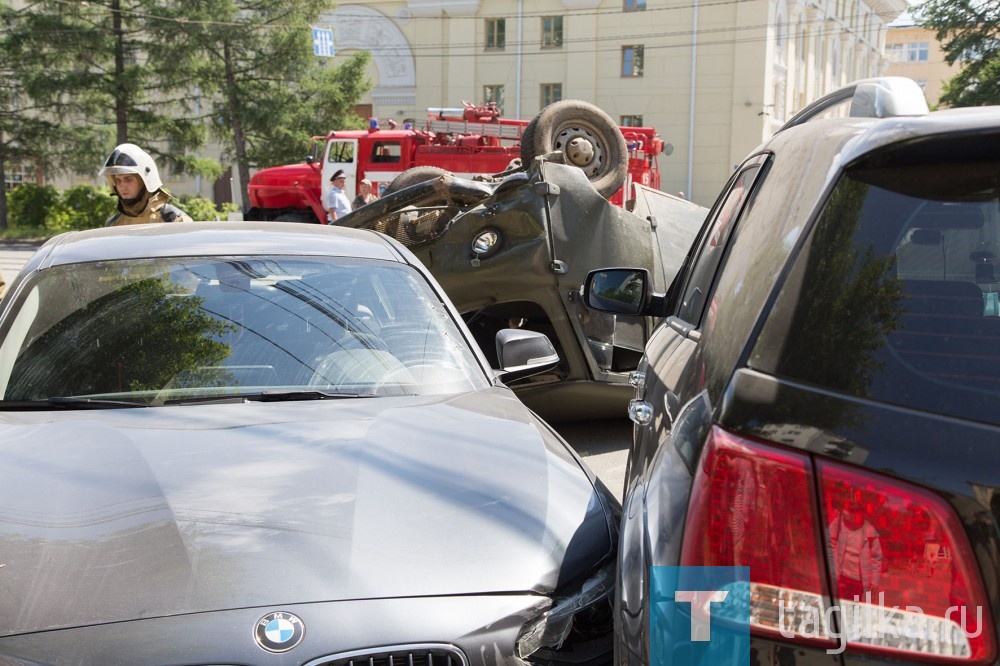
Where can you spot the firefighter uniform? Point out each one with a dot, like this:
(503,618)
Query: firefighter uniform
(151,203)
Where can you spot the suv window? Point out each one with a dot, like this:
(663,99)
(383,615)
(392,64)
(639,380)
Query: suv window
(894,295)
(714,242)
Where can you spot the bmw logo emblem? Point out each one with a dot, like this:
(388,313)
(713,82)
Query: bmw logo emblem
(279,632)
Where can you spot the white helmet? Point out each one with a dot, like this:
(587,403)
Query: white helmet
(130,158)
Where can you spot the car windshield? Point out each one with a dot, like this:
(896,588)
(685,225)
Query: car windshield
(895,294)
(165,331)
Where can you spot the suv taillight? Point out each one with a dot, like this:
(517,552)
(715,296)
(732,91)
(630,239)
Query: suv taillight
(906,580)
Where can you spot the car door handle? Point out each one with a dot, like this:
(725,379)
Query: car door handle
(640,411)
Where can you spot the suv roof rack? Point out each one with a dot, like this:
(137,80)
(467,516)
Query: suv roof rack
(881,97)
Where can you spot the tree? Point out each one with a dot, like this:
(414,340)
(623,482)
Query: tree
(969,32)
(101,63)
(29,117)
(271,94)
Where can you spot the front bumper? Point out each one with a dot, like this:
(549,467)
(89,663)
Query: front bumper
(484,629)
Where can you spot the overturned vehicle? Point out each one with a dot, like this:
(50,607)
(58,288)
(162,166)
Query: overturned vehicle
(512,251)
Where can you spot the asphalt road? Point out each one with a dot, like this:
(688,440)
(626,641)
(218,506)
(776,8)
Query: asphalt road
(603,443)
(13,254)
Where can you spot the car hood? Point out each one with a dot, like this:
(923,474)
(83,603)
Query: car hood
(122,514)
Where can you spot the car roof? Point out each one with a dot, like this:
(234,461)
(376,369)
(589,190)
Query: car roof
(214,239)
(887,110)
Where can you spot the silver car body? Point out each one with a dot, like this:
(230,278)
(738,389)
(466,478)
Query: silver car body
(431,524)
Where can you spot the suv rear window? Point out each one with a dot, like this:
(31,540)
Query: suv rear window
(894,294)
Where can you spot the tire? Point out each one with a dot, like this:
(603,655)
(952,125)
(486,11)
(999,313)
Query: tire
(588,138)
(412,176)
(307,218)
(528,149)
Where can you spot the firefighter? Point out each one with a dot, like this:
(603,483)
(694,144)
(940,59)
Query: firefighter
(133,177)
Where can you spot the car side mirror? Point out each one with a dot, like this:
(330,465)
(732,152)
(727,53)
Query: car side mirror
(618,290)
(522,353)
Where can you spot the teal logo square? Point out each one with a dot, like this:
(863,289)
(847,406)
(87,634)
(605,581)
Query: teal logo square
(699,616)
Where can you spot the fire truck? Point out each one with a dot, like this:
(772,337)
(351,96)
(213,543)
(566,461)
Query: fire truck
(469,142)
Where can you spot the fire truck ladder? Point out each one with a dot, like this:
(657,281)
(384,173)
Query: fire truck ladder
(512,131)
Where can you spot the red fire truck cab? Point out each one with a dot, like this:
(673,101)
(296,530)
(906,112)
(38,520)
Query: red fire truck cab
(468,142)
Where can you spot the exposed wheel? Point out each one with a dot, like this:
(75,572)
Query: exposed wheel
(413,176)
(307,218)
(528,148)
(588,138)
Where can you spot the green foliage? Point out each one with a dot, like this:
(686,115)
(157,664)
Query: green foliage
(42,211)
(79,65)
(201,209)
(272,94)
(80,207)
(969,32)
(208,169)
(29,204)
(76,78)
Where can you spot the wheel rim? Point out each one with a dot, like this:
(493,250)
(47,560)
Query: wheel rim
(580,148)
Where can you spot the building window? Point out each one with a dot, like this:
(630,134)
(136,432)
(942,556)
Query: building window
(635,5)
(894,52)
(130,56)
(494,95)
(552,31)
(551,92)
(18,174)
(781,38)
(917,51)
(496,30)
(630,121)
(632,60)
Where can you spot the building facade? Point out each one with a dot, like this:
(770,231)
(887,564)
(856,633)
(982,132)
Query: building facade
(915,52)
(714,78)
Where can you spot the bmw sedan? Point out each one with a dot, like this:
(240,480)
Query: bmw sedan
(228,443)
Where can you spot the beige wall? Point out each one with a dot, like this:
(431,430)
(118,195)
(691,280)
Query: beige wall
(931,73)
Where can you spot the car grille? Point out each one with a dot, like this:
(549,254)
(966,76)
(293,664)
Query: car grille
(398,655)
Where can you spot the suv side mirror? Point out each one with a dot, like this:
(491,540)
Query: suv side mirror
(623,291)
(522,353)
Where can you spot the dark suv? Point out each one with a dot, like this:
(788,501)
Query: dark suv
(821,403)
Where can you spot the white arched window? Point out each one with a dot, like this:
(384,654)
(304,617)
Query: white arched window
(780,35)
(835,63)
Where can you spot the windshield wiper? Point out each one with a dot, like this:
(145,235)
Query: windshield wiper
(68,402)
(213,399)
(312,394)
(266,396)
